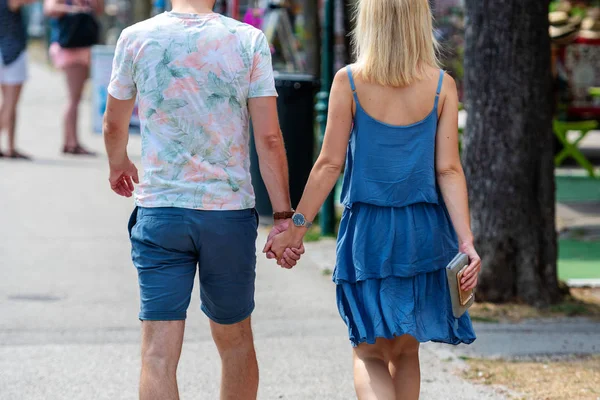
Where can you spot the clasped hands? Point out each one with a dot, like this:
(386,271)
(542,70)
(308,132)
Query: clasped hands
(284,244)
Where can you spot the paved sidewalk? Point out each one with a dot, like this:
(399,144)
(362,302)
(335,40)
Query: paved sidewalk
(69,296)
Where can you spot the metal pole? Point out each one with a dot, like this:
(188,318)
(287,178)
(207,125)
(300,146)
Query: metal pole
(327,216)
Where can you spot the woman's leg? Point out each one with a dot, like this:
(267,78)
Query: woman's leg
(8,114)
(76,76)
(404,367)
(372,378)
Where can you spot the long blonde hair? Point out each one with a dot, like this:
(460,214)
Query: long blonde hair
(393,41)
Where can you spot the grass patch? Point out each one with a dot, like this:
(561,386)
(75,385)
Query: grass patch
(577,189)
(313,234)
(577,378)
(584,302)
(578,259)
(477,318)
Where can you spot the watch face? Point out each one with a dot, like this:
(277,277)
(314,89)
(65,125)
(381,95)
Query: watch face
(299,220)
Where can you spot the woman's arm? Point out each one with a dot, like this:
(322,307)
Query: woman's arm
(99,7)
(329,165)
(57,8)
(452,182)
(14,5)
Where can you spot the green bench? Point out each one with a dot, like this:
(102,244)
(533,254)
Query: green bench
(571,149)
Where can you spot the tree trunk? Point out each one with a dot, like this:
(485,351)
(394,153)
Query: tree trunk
(507,151)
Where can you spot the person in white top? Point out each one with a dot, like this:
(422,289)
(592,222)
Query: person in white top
(198,78)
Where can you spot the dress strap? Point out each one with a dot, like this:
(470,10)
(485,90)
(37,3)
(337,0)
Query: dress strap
(439,88)
(352,85)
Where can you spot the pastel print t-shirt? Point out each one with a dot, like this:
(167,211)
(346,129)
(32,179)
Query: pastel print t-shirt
(193,75)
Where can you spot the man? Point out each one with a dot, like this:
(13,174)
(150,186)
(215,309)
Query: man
(13,69)
(198,77)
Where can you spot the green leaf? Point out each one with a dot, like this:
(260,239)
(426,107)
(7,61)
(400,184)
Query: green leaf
(178,72)
(192,45)
(150,112)
(246,55)
(235,186)
(215,99)
(177,171)
(216,85)
(171,105)
(235,105)
(156,97)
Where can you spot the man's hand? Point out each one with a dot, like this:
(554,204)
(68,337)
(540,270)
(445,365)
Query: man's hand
(290,257)
(122,177)
(285,248)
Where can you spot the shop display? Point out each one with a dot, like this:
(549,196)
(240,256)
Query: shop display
(278,25)
(575,34)
(572,20)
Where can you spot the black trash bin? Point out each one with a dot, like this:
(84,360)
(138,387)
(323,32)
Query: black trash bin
(295,106)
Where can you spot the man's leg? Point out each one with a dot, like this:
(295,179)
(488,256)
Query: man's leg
(161,348)
(164,255)
(239,376)
(227,278)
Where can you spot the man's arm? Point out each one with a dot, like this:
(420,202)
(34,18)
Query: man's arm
(116,136)
(273,167)
(271,151)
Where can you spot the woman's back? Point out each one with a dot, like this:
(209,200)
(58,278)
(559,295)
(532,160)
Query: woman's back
(399,105)
(391,156)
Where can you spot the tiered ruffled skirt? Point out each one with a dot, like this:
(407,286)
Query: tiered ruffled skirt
(390,274)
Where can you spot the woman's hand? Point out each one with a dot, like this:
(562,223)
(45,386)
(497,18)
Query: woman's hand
(290,256)
(471,274)
(286,247)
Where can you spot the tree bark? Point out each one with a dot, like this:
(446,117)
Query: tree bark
(507,150)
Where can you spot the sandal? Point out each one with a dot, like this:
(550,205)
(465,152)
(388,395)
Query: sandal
(77,150)
(15,155)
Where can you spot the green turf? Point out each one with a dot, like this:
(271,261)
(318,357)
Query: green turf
(578,259)
(577,189)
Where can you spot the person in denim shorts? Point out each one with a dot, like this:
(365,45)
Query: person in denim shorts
(198,77)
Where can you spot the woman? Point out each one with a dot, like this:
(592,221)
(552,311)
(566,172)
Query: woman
(75,62)
(393,117)
(13,69)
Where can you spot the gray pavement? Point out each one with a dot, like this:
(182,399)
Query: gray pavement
(69,296)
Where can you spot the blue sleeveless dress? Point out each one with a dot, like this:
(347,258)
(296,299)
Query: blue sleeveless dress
(396,236)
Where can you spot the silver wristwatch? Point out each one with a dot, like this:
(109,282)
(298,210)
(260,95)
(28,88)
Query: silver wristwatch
(300,220)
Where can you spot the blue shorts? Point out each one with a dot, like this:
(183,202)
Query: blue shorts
(170,244)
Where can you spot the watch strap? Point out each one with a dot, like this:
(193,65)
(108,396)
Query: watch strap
(283,215)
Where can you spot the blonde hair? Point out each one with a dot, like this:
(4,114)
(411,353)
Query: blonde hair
(393,41)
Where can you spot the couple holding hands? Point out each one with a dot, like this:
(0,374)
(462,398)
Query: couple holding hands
(392,127)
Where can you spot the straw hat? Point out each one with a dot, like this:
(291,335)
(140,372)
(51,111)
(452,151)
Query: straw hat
(564,6)
(563,35)
(590,26)
(558,18)
(563,29)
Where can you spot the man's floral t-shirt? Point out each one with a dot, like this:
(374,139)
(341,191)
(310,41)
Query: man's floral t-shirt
(193,75)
